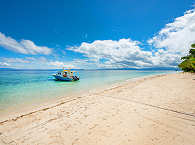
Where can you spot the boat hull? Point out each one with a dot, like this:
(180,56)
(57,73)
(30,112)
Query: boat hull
(59,78)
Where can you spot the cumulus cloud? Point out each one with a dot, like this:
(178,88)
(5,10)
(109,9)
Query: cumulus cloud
(23,46)
(35,62)
(110,53)
(124,53)
(15,60)
(57,63)
(175,38)
(60,64)
(25,60)
(3,64)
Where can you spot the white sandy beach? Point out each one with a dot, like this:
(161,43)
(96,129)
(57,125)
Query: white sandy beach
(157,110)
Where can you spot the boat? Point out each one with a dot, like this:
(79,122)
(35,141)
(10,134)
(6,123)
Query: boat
(66,75)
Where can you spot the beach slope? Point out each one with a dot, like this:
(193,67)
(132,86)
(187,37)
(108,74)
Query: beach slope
(156,110)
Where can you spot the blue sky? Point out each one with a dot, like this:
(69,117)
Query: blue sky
(95,33)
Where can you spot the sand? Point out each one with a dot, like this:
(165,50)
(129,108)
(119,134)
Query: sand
(157,110)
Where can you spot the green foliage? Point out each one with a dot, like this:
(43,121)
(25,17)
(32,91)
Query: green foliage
(193,45)
(192,52)
(188,64)
(185,57)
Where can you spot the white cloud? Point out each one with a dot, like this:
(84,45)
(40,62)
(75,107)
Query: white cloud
(121,53)
(57,63)
(31,63)
(15,60)
(60,64)
(27,62)
(24,46)
(175,39)
(36,62)
(4,64)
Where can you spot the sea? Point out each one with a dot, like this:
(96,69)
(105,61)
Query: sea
(19,87)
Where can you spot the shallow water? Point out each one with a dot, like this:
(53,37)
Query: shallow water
(21,86)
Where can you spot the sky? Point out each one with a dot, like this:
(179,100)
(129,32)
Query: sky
(92,34)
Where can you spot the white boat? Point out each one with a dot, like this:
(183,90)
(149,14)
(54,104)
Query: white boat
(66,75)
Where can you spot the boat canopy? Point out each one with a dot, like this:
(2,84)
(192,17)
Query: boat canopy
(69,72)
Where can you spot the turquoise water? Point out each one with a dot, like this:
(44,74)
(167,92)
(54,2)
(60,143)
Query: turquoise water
(18,87)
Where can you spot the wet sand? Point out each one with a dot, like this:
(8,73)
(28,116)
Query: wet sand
(156,110)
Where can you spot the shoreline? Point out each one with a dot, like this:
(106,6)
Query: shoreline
(50,103)
(157,109)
